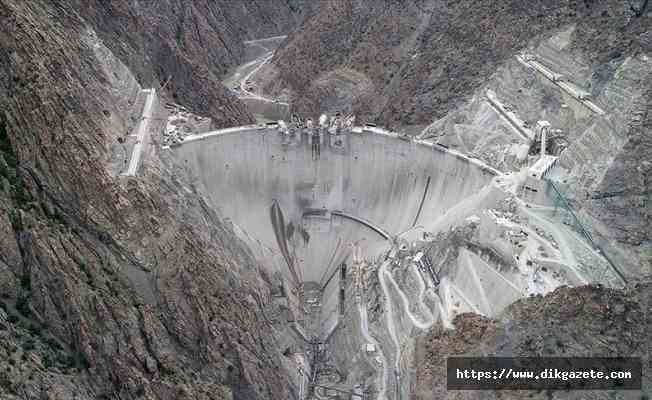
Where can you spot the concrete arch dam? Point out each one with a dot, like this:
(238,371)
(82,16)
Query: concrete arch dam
(309,210)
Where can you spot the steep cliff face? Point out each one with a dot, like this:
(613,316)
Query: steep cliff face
(192,44)
(622,198)
(111,287)
(116,287)
(363,43)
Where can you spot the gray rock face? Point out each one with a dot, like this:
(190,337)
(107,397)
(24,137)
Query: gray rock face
(191,43)
(427,57)
(624,195)
(113,287)
(425,61)
(613,322)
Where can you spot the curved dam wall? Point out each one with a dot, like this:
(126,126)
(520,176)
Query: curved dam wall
(393,184)
(360,188)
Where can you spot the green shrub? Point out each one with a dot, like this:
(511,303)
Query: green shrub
(4,169)
(21,195)
(29,344)
(35,330)
(16,223)
(26,281)
(22,306)
(5,146)
(47,361)
(67,360)
(58,217)
(52,343)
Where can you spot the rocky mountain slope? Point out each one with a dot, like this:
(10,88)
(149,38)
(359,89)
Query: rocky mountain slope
(134,288)
(424,57)
(407,64)
(191,43)
(615,323)
(116,287)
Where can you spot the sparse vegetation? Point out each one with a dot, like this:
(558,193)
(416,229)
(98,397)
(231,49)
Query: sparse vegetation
(9,169)
(53,214)
(29,344)
(34,329)
(22,306)
(26,281)
(6,148)
(82,265)
(52,343)
(16,222)
(47,361)
(103,233)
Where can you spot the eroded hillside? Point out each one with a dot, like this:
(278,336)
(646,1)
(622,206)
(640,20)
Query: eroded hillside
(117,287)
(427,66)
(614,324)
(191,44)
(425,57)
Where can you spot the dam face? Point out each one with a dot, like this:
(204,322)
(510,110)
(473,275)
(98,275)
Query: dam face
(309,210)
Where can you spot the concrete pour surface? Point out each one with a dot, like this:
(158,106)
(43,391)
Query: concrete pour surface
(376,178)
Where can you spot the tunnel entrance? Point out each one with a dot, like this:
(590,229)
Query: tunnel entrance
(304,212)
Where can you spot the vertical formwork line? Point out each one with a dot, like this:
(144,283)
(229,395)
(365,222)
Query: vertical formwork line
(423,199)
